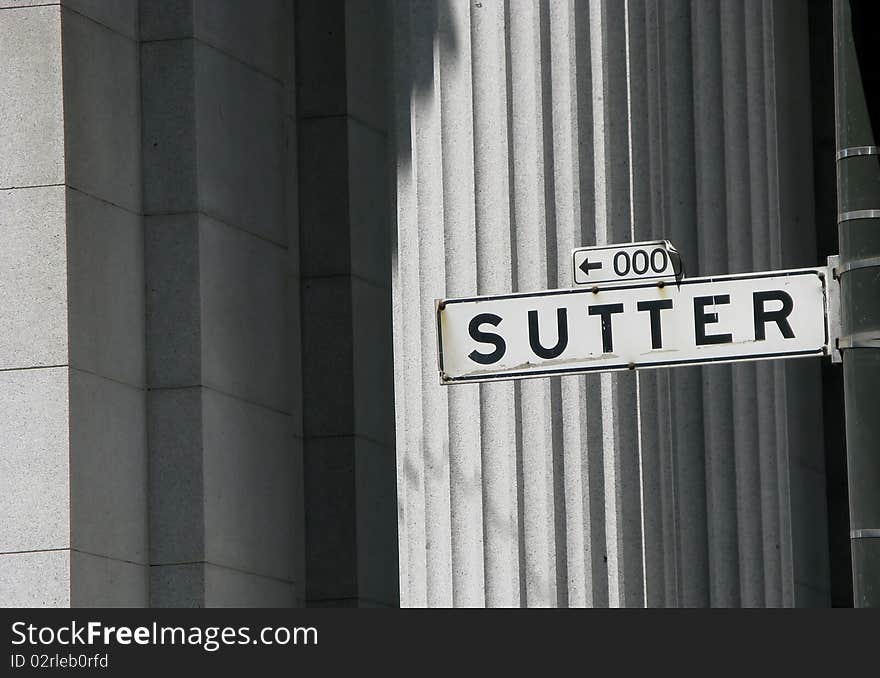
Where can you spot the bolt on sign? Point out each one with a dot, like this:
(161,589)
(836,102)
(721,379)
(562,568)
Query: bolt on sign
(619,326)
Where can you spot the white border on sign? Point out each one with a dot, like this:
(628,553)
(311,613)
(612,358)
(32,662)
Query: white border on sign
(440,304)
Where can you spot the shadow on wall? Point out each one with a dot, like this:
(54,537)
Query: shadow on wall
(865,17)
(424,36)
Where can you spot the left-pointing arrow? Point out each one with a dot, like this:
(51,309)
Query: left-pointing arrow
(586,266)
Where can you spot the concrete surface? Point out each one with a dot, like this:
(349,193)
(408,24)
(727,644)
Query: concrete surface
(34,287)
(213,213)
(519,135)
(31,108)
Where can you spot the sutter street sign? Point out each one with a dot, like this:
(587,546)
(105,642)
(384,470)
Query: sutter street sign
(776,314)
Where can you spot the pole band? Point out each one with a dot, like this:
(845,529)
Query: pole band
(859,340)
(864,534)
(857,150)
(868,262)
(858,214)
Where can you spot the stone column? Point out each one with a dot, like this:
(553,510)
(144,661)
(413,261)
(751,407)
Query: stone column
(524,129)
(73,461)
(225,433)
(344,265)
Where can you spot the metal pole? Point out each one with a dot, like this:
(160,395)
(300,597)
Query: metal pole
(858,199)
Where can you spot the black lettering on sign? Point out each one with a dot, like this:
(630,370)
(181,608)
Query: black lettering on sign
(621,263)
(486,338)
(780,317)
(606,311)
(701,319)
(643,268)
(664,259)
(654,308)
(561,333)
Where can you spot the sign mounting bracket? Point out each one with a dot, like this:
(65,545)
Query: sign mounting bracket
(832,280)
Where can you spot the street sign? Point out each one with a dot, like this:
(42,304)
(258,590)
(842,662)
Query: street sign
(653,260)
(776,314)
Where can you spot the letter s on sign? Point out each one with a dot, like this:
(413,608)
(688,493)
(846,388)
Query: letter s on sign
(486,338)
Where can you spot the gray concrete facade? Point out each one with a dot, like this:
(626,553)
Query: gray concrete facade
(225,444)
(73,419)
(223,226)
(187,418)
(345,225)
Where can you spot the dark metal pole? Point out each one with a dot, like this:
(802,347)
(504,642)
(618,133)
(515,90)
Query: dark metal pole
(858,199)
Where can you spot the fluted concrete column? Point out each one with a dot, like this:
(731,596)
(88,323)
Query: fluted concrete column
(524,129)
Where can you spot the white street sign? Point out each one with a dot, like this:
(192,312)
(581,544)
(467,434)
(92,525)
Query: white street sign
(776,314)
(653,260)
